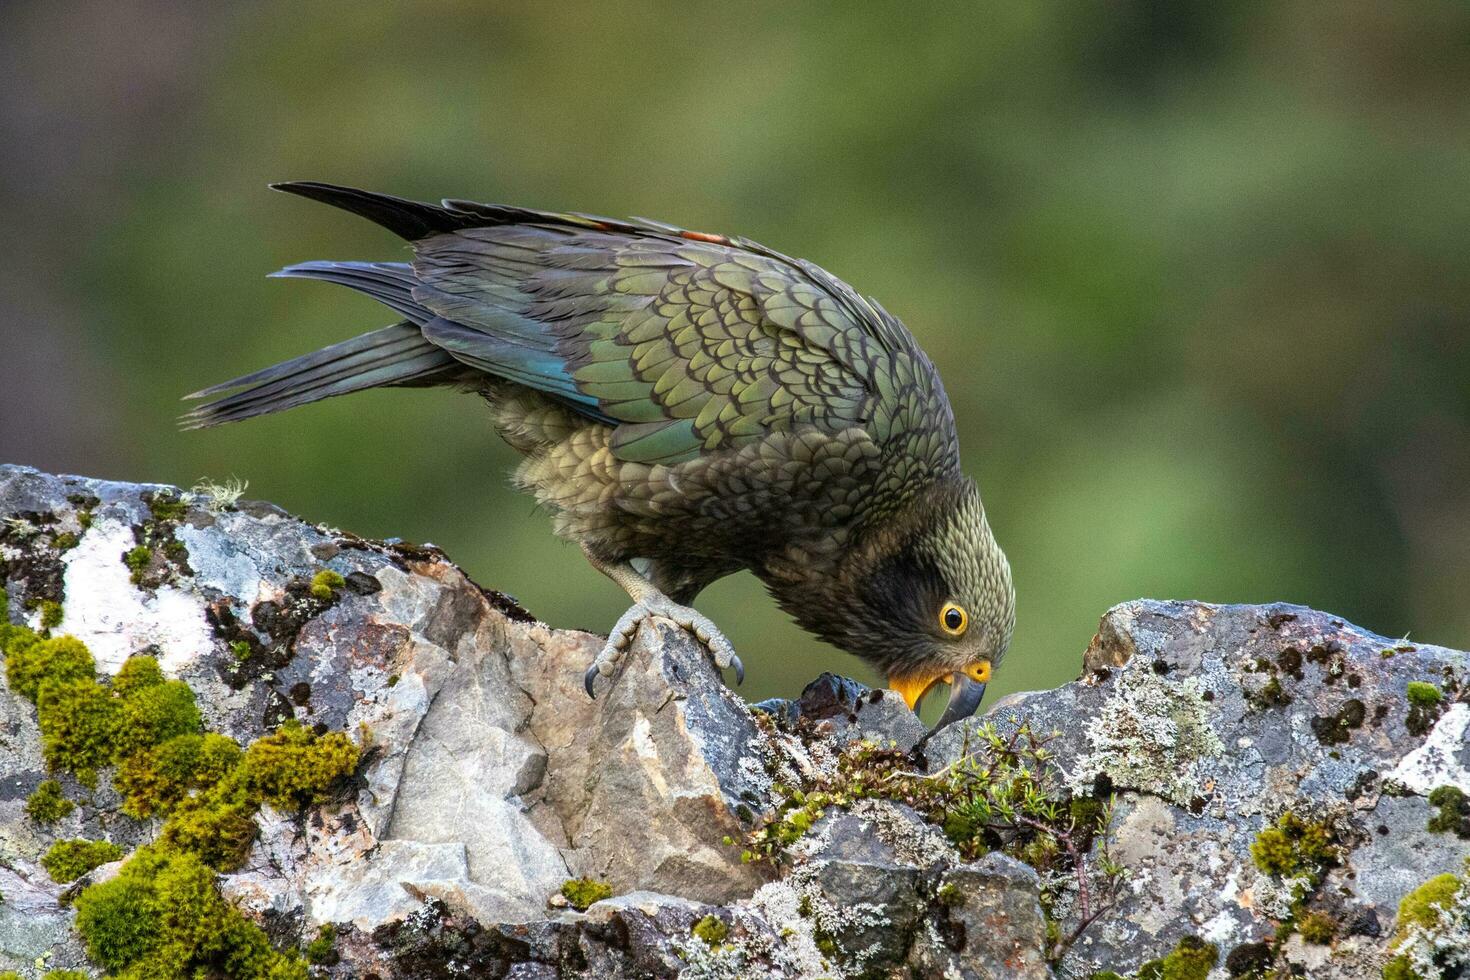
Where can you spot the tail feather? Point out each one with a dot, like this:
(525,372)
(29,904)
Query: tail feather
(395,355)
(407,219)
(390,283)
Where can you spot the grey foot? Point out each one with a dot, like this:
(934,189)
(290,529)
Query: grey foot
(696,622)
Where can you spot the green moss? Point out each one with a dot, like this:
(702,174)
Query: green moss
(293,767)
(84,519)
(68,860)
(30,660)
(47,804)
(65,541)
(325,583)
(1454,812)
(138,559)
(10,975)
(163,916)
(582,892)
(240,649)
(949,894)
(1422,694)
(1191,959)
(165,507)
(712,929)
(65,975)
(218,824)
(322,951)
(154,780)
(1317,927)
(78,721)
(137,673)
(1105,975)
(153,714)
(1425,905)
(1293,847)
(51,614)
(1399,968)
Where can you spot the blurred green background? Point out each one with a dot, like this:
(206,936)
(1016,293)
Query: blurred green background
(1195,273)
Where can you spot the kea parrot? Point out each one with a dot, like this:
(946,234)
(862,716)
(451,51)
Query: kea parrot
(688,405)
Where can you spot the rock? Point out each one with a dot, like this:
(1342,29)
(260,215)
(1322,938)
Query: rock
(840,710)
(992,926)
(1210,722)
(487,779)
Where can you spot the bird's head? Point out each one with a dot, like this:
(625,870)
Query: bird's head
(927,598)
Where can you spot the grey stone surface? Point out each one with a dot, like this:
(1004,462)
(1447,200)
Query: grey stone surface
(1211,721)
(489,778)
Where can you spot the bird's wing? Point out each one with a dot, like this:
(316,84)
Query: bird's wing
(685,342)
(686,345)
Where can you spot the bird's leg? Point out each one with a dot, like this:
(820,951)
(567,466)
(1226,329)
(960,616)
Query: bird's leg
(648,602)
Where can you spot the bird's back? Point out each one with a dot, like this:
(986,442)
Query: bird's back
(665,385)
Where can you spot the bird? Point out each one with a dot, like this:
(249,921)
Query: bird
(687,405)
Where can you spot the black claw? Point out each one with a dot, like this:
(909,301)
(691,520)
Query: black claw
(739,670)
(587,681)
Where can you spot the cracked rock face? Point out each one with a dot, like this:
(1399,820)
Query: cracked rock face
(488,778)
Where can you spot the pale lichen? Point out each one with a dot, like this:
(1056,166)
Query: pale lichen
(1152,735)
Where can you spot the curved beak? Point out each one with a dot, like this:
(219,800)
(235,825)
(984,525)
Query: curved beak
(964,698)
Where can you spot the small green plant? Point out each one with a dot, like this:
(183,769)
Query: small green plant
(1293,848)
(581,893)
(322,951)
(713,930)
(325,583)
(138,559)
(51,614)
(1454,812)
(1317,927)
(1191,959)
(68,860)
(48,804)
(1422,694)
(167,507)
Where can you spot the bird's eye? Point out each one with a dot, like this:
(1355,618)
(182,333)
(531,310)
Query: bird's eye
(953,619)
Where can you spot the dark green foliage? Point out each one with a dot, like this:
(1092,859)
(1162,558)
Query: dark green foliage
(1454,812)
(167,507)
(68,860)
(322,951)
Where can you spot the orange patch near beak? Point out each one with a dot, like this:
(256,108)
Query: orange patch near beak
(913,688)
